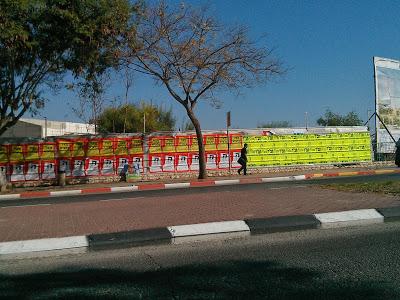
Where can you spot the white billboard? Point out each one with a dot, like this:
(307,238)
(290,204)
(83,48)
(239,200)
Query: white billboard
(387,102)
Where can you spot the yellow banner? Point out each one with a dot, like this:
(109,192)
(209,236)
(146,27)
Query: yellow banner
(155,145)
(32,152)
(183,144)
(93,148)
(48,152)
(108,148)
(169,145)
(64,149)
(137,147)
(78,149)
(3,154)
(16,153)
(121,147)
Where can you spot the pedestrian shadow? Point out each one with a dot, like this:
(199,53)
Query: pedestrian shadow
(226,280)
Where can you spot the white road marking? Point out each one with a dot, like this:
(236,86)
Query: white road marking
(120,199)
(29,205)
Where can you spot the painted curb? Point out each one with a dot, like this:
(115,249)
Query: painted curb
(349,218)
(168,235)
(390,214)
(135,237)
(282,224)
(208,228)
(160,186)
(43,245)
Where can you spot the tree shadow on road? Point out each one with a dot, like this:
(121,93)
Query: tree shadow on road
(227,280)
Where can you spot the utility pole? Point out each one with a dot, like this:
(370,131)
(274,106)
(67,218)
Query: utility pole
(144,122)
(306,119)
(228,124)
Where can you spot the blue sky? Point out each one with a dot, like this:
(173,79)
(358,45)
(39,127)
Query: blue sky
(328,46)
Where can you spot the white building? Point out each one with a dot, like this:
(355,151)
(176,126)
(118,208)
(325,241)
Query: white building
(38,128)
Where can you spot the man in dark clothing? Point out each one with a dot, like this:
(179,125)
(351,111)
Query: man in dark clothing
(243,160)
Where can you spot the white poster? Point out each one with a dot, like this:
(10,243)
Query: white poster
(93,168)
(223,161)
(194,165)
(108,167)
(32,173)
(48,170)
(235,157)
(155,164)
(211,163)
(137,165)
(169,163)
(17,173)
(3,170)
(182,163)
(79,168)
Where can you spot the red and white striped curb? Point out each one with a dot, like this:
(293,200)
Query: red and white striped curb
(205,183)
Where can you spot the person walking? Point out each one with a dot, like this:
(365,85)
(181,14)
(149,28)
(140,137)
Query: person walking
(243,160)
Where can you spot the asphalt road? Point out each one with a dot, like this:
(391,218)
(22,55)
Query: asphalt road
(347,263)
(241,188)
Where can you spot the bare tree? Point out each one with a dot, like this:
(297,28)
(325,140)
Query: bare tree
(90,102)
(193,56)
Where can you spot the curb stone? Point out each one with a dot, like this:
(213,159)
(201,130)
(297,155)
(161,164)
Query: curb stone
(167,235)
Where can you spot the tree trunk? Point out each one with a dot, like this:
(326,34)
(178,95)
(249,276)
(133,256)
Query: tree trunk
(202,152)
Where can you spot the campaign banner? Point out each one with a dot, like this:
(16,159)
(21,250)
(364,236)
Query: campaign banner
(235,155)
(4,154)
(155,163)
(122,147)
(64,148)
(107,147)
(236,141)
(155,144)
(17,153)
(32,152)
(137,164)
(223,160)
(182,143)
(78,167)
(182,164)
(211,160)
(194,146)
(193,161)
(32,171)
(168,162)
(108,166)
(48,170)
(93,148)
(47,151)
(168,144)
(17,172)
(4,169)
(78,148)
(210,142)
(222,142)
(65,165)
(92,167)
(136,146)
